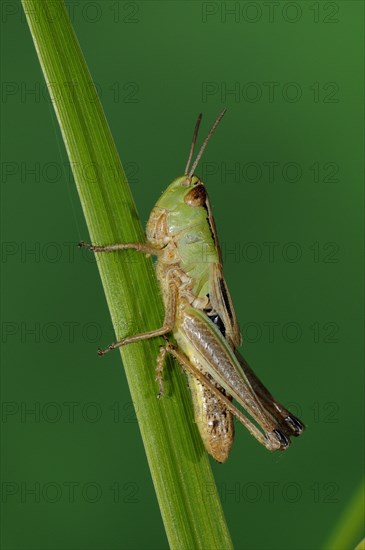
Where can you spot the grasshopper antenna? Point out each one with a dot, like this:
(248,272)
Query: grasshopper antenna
(193,142)
(202,148)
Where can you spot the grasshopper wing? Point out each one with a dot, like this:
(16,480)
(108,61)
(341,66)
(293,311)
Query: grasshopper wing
(219,296)
(288,423)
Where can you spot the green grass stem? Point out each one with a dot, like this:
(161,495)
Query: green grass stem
(180,469)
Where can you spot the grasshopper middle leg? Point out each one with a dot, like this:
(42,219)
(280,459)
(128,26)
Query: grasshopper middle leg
(170,312)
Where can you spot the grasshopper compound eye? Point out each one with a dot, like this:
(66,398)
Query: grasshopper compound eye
(197,196)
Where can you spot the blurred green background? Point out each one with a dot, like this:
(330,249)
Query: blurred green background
(284,172)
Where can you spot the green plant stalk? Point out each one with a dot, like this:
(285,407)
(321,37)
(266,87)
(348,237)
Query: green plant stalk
(180,469)
(348,529)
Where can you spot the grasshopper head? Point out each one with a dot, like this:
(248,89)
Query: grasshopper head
(185,200)
(181,206)
(185,190)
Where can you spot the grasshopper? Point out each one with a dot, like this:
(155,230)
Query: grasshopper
(199,314)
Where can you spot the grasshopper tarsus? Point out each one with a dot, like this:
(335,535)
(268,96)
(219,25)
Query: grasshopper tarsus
(83,244)
(144,248)
(161,391)
(159,369)
(102,351)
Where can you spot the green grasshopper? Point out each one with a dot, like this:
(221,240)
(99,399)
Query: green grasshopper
(199,314)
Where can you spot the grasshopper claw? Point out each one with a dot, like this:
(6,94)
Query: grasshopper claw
(83,244)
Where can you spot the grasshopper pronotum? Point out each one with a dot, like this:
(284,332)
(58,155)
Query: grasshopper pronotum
(199,314)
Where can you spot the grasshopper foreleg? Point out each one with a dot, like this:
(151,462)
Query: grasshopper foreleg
(145,248)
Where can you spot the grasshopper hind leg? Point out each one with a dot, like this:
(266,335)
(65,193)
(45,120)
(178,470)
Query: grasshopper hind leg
(271,440)
(159,370)
(214,421)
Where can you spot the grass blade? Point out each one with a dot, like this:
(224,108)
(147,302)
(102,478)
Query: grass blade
(180,469)
(349,526)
